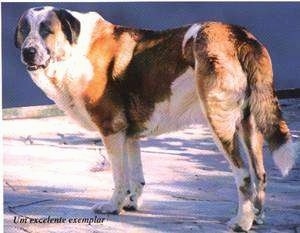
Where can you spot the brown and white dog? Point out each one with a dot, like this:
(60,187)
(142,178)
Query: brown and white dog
(129,83)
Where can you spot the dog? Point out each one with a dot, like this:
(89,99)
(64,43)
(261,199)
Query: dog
(130,83)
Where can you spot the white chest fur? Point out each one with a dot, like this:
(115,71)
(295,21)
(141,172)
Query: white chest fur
(178,111)
(64,82)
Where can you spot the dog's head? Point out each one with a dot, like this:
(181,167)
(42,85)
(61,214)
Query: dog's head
(44,34)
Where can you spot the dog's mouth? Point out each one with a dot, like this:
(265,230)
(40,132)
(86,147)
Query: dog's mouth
(34,67)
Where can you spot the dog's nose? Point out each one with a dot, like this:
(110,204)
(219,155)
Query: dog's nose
(30,51)
(29,54)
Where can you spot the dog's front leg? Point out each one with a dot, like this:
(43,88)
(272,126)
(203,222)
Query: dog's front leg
(115,146)
(137,180)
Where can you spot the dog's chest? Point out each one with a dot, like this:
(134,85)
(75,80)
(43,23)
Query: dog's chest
(71,103)
(64,84)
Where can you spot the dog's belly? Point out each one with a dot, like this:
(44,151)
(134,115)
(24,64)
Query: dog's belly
(178,111)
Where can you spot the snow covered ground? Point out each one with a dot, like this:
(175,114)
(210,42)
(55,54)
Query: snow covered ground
(51,170)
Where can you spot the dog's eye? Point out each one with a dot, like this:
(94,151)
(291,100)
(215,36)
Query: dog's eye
(25,28)
(45,29)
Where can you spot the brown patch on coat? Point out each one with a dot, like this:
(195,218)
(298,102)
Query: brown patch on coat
(133,70)
(216,61)
(101,101)
(156,63)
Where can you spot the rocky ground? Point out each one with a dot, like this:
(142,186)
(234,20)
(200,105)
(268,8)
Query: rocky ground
(52,169)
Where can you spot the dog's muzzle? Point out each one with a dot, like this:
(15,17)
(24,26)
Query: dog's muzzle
(29,55)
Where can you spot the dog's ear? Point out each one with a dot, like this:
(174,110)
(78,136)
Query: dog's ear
(69,25)
(22,31)
(18,41)
(19,38)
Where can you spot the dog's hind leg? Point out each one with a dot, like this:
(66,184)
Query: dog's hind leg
(253,142)
(222,86)
(115,147)
(229,144)
(221,97)
(223,114)
(137,180)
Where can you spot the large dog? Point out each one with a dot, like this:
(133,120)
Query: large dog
(129,83)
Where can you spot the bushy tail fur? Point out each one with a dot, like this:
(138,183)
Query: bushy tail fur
(264,105)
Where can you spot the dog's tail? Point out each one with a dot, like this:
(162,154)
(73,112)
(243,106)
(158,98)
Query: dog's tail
(264,106)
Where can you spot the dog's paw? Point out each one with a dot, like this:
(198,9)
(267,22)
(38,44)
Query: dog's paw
(259,219)
(130,204)
(130,207)
(107,208)
(236,225)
